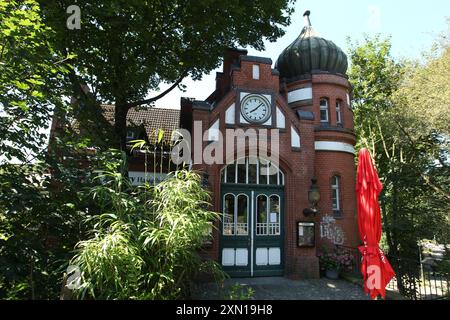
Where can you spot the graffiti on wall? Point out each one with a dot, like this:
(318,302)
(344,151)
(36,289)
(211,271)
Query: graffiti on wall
(331,231)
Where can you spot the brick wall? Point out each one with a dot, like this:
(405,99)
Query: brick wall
(299,166)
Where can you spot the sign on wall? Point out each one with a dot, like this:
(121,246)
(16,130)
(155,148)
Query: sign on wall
(138,178)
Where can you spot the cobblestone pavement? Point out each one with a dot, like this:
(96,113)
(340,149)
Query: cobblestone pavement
(279,288)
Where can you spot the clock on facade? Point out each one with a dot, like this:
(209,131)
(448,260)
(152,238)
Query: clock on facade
(255,108)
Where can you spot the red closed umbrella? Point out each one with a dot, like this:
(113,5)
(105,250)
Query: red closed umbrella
(375,268)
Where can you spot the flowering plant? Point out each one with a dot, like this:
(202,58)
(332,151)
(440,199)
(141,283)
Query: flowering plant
(336,260)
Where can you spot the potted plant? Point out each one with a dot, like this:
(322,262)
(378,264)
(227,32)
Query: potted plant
(334,262)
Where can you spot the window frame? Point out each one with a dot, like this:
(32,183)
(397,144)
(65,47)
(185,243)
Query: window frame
(280,179)
(339,120)
(324,108)
(336,187)
(235,215)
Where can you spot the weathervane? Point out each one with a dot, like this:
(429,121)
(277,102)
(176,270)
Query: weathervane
(306,16)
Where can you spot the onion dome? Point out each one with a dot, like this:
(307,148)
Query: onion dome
(310,53)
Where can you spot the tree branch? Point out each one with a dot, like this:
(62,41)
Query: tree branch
(159,96)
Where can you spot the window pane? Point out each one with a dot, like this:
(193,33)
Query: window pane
(242,215)
(335,181)
(335,205)
(261,215)
(274,216)
(323,103)
(252,173)
(281,178)
(231,171)
(273,178)
(338,112)
(274,209)
(323,115)
(335,198)
(263,171)
(241,173)
(228,215)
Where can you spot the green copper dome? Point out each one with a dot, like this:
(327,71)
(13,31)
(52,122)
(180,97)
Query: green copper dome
(310,53)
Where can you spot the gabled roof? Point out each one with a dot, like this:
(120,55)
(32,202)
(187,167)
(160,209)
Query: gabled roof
(151,118)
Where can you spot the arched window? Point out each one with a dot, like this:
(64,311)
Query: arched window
(336,195)
(252,170)
(235,215)
(324,110)
(338,112)
(268,215)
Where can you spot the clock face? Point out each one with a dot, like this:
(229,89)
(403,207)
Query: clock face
(255,108)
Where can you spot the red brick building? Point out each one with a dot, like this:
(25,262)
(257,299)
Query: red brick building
(266,227)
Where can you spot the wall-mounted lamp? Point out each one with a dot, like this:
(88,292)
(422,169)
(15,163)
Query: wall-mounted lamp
(313,198)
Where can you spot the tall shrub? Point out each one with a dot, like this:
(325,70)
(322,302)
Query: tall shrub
(145,240)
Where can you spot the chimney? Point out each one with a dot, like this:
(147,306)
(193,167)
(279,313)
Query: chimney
(223,79)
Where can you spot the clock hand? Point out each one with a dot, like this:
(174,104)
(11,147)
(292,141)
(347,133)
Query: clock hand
(256,108)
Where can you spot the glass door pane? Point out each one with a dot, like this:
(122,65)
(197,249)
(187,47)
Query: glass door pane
(228,215)
(242,215)
(261,215)
(274,216)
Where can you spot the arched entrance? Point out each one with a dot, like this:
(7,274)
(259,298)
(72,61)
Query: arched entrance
(252,204)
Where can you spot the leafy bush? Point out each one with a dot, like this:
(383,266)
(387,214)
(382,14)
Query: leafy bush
(145,240)
(240,292)
(38,229)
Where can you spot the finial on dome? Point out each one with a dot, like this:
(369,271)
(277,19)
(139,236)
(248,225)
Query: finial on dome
(306,16)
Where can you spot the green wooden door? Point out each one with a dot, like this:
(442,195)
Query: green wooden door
(252,230)
(268,232)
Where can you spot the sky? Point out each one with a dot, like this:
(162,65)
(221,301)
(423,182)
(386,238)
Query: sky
(413,26)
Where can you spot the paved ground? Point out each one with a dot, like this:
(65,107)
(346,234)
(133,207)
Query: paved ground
(279,288)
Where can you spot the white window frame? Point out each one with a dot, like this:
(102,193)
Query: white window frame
(267,228)
(224,179)
(325,108)
(235,215)
(255,71)
(295,138)
(335,187)
(236,200)
(338,112)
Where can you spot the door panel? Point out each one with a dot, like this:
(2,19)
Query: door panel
(251,231)
(268,241)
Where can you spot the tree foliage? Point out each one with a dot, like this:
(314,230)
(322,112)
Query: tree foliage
(409,145)
(145,240)
(127,48)
(424,92)
(32,83)
(31,74)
